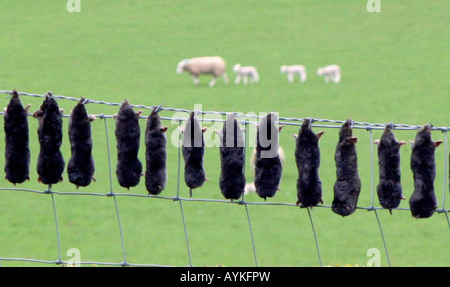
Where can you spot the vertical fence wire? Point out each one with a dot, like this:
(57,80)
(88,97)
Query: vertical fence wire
(246,137)
(186,237)
(111,193)
(315,236)
(290,121)
(372,194)
(55,215)
(446,175)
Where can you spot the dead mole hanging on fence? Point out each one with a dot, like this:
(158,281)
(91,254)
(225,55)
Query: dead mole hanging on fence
(17,151)
(129,167)
(389,188)
(232,177)
(50,164)
(156,154)
(307,157)
(348,184)
(423,202)
(81,166)
(268,167)
(193,148)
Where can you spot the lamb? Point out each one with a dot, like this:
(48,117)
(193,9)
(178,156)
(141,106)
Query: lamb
(330,73)
(204,65)
(294,70)
(245,73)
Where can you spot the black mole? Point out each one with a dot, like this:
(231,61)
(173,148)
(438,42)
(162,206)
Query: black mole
(193,148)
(268,167)
(232,178)
(17,151)
(307,157)
(389,188)
(423,202)
(81,166)
(129,167)
(156,154)
(50,164)
(348,184)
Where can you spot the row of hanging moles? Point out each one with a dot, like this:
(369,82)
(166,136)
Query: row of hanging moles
(268,166)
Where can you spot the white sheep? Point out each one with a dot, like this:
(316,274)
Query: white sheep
(204,65)
(330,73)
(245,73)
(294,70)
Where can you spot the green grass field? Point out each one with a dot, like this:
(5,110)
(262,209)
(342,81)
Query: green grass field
(394,69)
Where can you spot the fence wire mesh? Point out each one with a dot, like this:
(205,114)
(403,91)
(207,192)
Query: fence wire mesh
(245,120)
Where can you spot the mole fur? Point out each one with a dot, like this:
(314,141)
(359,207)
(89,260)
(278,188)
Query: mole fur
(232,178)
(193,149)
(307,157)
(389,188)
(50,163)
(81,166)
(423,202)
(348,184)
(156,154)
(129,167)
(17,151)
(268,167)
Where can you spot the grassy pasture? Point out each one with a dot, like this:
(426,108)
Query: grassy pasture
(394,66)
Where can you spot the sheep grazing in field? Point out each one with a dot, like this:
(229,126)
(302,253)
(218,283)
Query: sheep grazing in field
(330,73)
(292,71)
(245,73)
(204,65)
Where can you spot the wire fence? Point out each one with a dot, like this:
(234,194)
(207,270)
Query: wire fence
(245,120)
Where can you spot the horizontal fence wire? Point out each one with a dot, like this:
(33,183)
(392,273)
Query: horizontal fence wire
(246,120)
